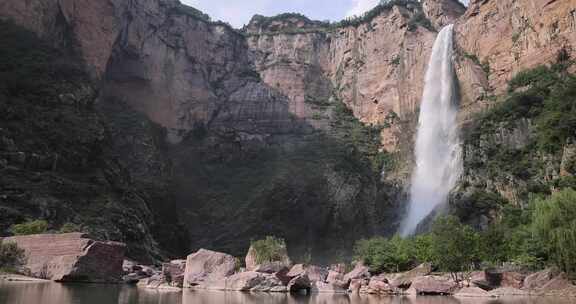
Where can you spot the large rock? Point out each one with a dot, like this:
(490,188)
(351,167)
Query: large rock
(434,285)
(249,281)
(71,257)
(360,271)
(300,283)
(206,266)
(494,278)
(174,271)
(316,273)
(268,267)
(324,287)
(539,279)
(404,280)
(508,292)
(472,292)
(378,285)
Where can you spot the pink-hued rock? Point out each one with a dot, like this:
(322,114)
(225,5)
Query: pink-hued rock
(206,266)
(316,273)
(356,285)
(297,270)
(359,271)
(174,272)
(378,285)
(71,257)
(299,283)
(404,280)
(268,267)
(507,292)
(560,282)
(434,285)
(249,281)
(512,279)
(472,292)
(537,280)
(323,287)
(334,276)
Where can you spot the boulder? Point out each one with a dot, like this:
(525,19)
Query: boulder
(268,267)
(499,278)
(508,292)
(356,285)
(560,282)
(316,273)
(249,281)
(360,271)
(283,276)
(404,280)
(174,271)
(299,283)
(324,287)
(334,276)
(296,270)
(537,280)
(71,257)
(157,281)
(472,292)
(378,285)
(206,266)
(434,285)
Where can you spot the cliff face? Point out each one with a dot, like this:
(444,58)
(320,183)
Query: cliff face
(503,38)
(242,132)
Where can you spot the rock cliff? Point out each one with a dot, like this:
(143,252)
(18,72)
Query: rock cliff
(289,126)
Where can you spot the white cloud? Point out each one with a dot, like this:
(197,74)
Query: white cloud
(359,7)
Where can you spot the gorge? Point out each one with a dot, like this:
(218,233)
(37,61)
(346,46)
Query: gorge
(147,123)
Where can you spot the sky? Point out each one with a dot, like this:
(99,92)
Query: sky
(239,12)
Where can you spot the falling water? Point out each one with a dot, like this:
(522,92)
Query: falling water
(438,151)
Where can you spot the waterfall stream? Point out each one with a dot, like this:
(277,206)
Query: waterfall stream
(438,150)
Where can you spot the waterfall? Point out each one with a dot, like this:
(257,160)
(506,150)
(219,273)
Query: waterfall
(438,151)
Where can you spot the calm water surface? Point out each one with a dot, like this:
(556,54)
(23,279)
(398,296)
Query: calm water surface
(54,293)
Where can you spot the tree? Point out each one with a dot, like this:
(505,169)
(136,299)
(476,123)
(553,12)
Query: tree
(455,247)
(11,256)
(30,227)
(270,249)
(385,255)
(554,224)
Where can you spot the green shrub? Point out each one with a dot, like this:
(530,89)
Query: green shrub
(555,228)
(70,227)
(455,247)
(270,249)
(385,255)
(11,256)
(30,227)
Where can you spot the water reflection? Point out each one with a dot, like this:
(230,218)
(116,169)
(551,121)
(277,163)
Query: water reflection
(52,293)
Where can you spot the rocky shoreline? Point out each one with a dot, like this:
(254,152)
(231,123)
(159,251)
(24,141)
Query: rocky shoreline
(75,258)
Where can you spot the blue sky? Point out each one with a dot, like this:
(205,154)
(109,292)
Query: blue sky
(239,12)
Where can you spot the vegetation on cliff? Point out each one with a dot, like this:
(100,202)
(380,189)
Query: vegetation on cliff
(57,160)
(269,249)
(11,257)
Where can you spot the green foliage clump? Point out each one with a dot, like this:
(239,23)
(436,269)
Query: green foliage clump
(420,19)
(385,255)
(30,227)
(547,97)
(269,249)
(360,139)
(190,11)
(70,227)
(554,223)
(384,5)
(455,246)
(11,256)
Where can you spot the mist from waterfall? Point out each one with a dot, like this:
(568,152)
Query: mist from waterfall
(438,150)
